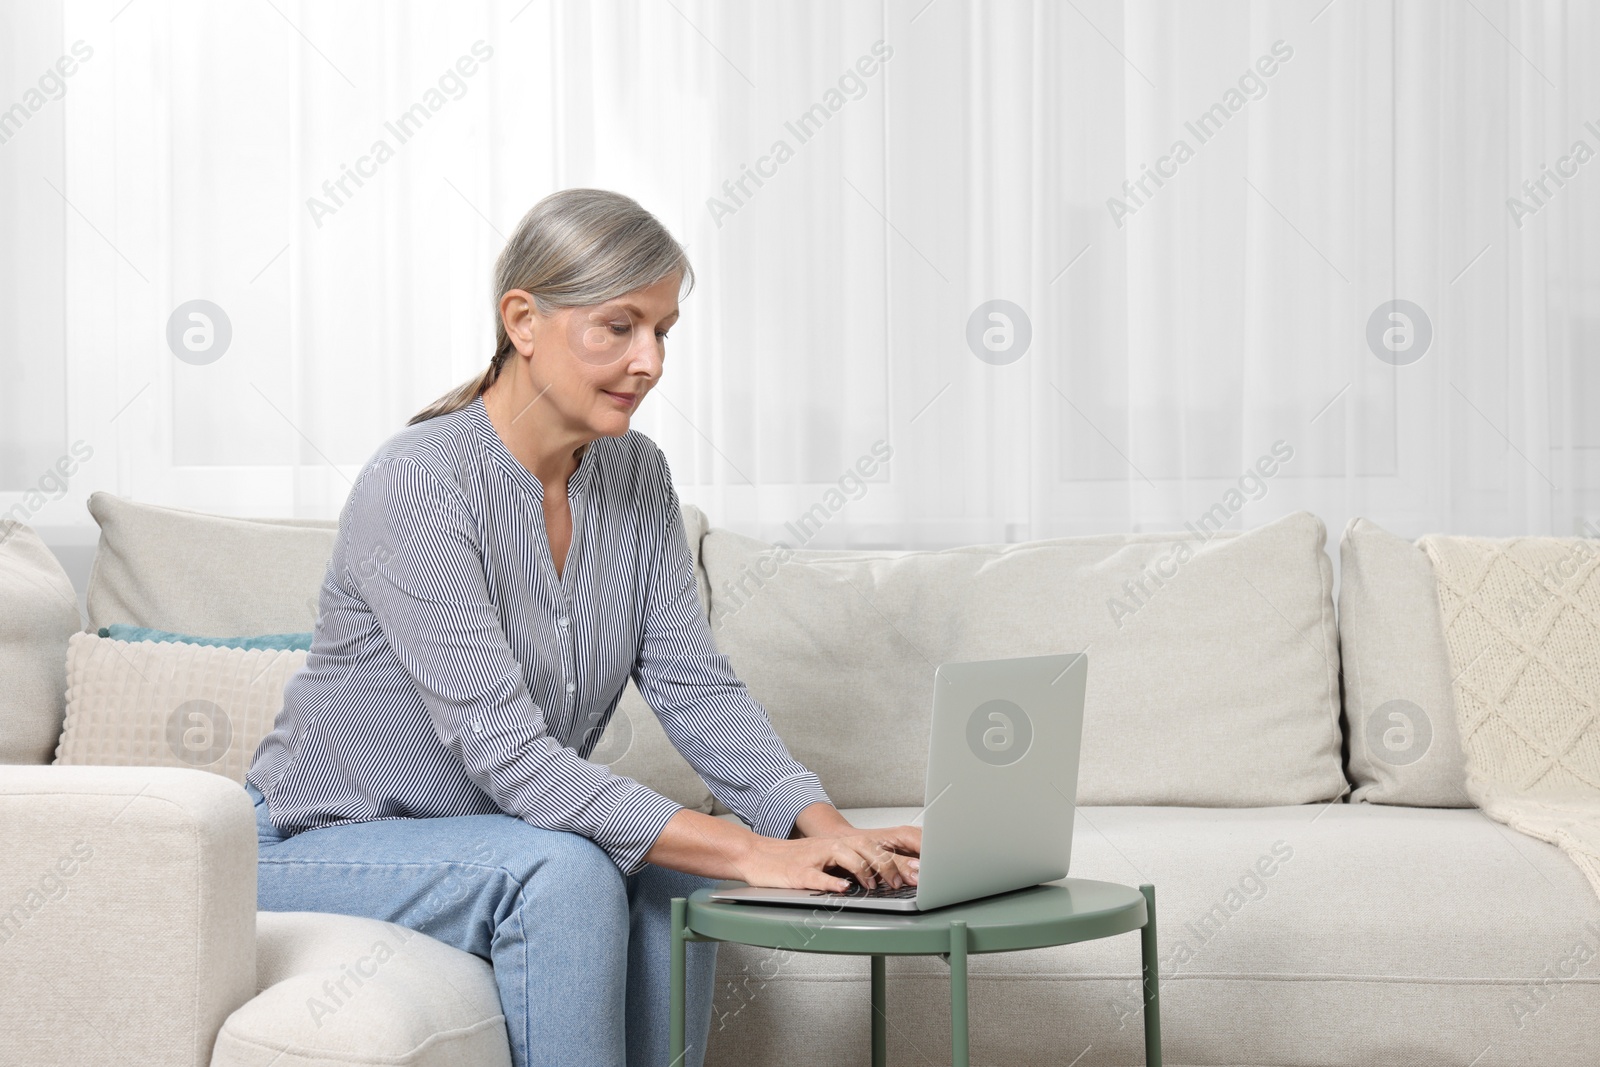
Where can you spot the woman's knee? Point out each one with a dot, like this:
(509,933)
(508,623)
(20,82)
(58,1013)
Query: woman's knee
(575,857)
(569,872)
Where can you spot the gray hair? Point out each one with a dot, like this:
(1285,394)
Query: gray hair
(574,248)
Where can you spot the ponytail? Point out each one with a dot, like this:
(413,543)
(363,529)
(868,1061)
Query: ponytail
(461,395)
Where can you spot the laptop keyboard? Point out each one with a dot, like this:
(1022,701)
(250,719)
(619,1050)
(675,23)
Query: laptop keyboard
(879,892)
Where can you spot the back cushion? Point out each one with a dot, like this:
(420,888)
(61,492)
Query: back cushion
(214,576)
(206,575)
(1213,664)
(38,614)
(1400,710)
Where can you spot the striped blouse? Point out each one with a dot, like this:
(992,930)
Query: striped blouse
(453,673)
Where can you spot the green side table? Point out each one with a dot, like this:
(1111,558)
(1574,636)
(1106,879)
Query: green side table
(1061,913)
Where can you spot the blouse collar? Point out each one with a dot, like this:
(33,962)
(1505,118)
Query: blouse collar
(577,483)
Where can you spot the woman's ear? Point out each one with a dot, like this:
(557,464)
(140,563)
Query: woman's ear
(520,316)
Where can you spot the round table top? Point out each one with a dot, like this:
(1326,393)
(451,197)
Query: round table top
(1058,913)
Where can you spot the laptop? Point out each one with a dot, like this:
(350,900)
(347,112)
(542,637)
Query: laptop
(1001,790)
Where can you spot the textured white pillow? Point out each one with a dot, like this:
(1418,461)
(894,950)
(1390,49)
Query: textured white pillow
(169,704)
(38,613)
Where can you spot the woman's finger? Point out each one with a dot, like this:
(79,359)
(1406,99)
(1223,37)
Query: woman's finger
(883,860)
(888,863)
(847,854)
(908,873)
(903,839)
(817,878)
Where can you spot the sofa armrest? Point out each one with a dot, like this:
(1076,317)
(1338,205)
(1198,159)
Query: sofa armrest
(127,913)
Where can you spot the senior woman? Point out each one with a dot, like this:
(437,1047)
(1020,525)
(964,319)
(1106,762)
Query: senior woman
(503,565)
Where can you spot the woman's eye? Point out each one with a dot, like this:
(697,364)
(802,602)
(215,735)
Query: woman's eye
(619,329)
(661,334)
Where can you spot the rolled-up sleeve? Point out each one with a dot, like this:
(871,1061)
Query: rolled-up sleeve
(413,551)
(707,712)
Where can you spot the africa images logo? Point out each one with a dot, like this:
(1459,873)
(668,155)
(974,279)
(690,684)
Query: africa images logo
(999,732)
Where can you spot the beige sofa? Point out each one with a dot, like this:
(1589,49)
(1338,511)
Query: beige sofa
(1326,895)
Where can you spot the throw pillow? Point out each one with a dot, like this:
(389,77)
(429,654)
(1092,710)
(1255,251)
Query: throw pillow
(190,572)
(1213,658)
(124,632)
(1399,714)
(1522,622)
(170,704)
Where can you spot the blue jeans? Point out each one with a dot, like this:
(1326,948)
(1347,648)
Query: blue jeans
(581,954)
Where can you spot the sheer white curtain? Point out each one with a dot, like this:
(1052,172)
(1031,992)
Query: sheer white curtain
(855,183)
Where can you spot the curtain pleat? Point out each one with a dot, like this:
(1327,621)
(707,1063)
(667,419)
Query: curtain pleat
(1194,214)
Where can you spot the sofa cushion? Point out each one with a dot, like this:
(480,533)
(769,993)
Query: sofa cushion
(348,991)
(1399,710)
(210,575)
(38,612)
(171,704)
(1213,665)
(1327,936)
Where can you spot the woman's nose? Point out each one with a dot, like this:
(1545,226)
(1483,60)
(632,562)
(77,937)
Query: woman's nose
(649,356)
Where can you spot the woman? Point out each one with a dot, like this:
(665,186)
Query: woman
(503,566)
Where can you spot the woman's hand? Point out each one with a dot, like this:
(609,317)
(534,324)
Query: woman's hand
(885,855)
(827,848)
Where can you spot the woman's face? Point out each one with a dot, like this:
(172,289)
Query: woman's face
(595,364)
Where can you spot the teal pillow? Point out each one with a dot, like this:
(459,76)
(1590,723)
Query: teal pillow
(123,632)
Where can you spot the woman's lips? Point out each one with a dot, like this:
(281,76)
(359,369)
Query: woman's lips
(624,399)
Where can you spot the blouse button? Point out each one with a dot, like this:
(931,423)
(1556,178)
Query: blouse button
(562,621)
(571,687)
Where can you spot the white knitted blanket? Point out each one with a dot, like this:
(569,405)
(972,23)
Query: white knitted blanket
(1522,623)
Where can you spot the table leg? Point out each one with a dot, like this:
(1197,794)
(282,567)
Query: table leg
(880,1016)
(676,1007)
(1152,980)
(959,1053)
